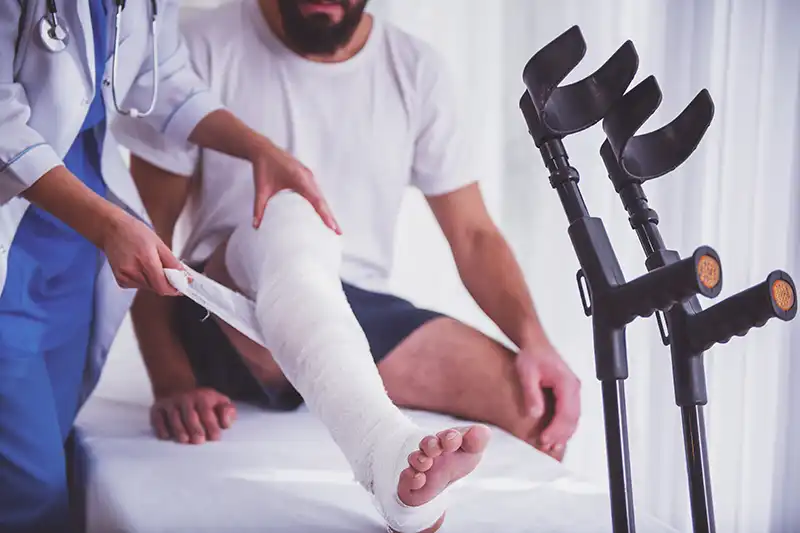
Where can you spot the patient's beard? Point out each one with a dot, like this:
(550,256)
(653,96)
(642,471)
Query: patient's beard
(317,34)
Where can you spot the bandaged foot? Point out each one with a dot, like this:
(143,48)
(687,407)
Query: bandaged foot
(441,460)
(409,488)
(290,268)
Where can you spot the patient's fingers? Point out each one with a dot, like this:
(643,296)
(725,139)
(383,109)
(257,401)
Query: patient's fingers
(159,423)
(208,417)
(227,414)
(567,414)
(176,427)
(192,417)
(192,422)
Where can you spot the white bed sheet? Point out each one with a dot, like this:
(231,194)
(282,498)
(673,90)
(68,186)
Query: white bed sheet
(280,472)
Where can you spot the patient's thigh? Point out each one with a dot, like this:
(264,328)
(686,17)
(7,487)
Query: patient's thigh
(291,239)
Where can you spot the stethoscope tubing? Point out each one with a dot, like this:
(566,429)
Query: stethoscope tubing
(55,37)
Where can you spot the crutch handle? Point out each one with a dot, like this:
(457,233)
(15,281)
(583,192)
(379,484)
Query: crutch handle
(663,287)
(752,308)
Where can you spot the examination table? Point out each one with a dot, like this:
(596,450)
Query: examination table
(280,472)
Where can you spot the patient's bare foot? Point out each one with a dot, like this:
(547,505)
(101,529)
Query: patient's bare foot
(441,460)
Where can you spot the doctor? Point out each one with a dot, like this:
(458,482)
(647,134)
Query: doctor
(72,226)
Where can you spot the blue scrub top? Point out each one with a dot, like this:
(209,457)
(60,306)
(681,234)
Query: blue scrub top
(48,298)
(83,158)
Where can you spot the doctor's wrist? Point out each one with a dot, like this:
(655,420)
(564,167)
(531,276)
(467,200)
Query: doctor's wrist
(223,132)
(256,146)
(111,221)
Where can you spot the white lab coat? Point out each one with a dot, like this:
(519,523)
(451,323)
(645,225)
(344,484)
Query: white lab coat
(44,98)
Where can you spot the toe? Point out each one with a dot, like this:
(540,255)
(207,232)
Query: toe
(419,461)
(430,446)
(418,481)
(557,452)
(410,479)
(475,438)
(450,440)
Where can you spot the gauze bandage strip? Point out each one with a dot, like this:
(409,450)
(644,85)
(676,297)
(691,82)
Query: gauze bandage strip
(290,267)
(235,309)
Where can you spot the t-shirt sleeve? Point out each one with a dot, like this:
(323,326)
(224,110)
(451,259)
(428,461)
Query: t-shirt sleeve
(440,162)
(145,141)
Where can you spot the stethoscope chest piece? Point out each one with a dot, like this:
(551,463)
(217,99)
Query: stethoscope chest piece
(54,36)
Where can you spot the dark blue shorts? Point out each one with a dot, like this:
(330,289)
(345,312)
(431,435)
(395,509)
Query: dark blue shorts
(385,319)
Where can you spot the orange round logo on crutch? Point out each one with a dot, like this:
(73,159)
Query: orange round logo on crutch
(708,270)
(783,294)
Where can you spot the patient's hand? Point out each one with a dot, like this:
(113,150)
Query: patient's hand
(192,417)
(542,371)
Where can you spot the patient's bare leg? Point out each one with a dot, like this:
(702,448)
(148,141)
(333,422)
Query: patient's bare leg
(290,268)
(449,367)
(445,366)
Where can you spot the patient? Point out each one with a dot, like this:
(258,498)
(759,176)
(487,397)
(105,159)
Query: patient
(369,109)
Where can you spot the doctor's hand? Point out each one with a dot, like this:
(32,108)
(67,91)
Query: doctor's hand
(540,368)
(192,417)
(137,256)
(275,170)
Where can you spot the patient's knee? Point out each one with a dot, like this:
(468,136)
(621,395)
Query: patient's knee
(291,239)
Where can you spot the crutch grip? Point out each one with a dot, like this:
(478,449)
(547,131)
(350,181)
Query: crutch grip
(663,287)
(752,308)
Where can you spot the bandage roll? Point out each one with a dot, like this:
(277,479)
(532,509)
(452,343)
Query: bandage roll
(290,267)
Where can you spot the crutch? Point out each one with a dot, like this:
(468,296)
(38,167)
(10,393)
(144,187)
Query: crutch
(552,113)
(689,330)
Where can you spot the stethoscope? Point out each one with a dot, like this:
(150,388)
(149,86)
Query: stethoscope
(55,38)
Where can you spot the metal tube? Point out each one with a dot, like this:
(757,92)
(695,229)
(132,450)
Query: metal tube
(697,468)
(694,431)
(618,454)
(573,203)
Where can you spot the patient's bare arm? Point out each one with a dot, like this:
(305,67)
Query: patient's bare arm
(493,277)
(182,411)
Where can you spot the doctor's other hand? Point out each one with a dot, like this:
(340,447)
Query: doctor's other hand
(192,417)
(137,256)
(275,170)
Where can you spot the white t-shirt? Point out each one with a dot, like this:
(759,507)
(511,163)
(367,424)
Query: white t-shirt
(368,128)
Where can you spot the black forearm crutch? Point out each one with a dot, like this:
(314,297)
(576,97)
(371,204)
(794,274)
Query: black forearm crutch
(631,160)
(552,113)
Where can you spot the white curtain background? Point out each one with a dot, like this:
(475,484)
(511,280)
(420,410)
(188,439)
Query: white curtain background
(738,193)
